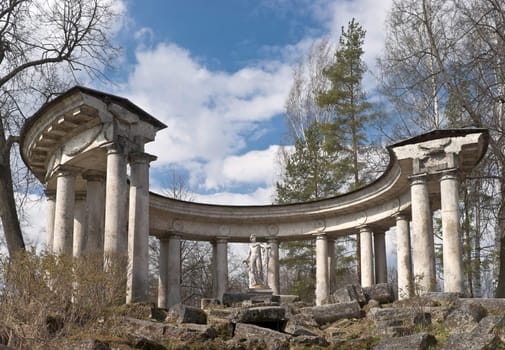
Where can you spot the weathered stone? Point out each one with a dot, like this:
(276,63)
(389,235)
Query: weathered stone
(332,312)
(382,292)
(260,314)
(5,347)
(472,341)
(301,319)
(370,305)
(398,317)
(310,340)
(420,341)
(297,330)
(207,303)
(200,331)
(465,318)
(439,298)
(223,327)
(143,343)
(493,306)
(490,324)
(438,313)
(187,314)
(349,293)
(230,299)
(224,313)
(273,339)
(288,299)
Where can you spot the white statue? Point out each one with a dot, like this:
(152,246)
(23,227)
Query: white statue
(255,263)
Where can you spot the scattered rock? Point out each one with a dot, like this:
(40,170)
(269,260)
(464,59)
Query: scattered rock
(472,341)
(297,330)
(310,340)
(349,293)
(332,312)
(273,339)
(493,306)
(187,314)
(490,324)
(420,341)
(465,318)
(393,317)
(260,314)
(288,299)
(382,292)
(207,303)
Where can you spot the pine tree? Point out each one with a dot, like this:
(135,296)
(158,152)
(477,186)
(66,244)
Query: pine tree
(347,100)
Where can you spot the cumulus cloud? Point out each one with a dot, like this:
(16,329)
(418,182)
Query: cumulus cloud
(212,116)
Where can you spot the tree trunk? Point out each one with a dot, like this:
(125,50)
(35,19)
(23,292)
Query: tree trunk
(8,212)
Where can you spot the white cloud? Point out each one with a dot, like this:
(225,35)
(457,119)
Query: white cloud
(252,167)
(212,115)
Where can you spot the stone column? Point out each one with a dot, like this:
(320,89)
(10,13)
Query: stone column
(221,265)
(95,206)
(80,221)
(64,211)
(321,269)
(138,228)
(169,282)
(51,202)
(404,265)
(273,266)
(367,272)
(451,237)
(381,269)
(115,235)
(422,234)
(331,266)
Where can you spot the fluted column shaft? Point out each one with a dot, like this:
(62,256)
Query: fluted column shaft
(51,204)
(80,225)
(115,235)
(64,211)
(138,228)
(321,269)
(367,271)
(422,234)
(95,206)
(220,254)
(404,264)
(381,269)
(273,266)
(169,281)
(451,236)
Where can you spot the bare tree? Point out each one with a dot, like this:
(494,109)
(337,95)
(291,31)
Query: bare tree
(44,45)
(444,61)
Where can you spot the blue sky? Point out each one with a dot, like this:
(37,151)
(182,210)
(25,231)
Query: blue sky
(218,73)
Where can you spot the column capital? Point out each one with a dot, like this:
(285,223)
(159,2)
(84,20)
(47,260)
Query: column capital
(67,170)
(321,235)
(450,174)
(221,239)
(141,157)
(93,175)
(272,240)
(402,216)
(115,147)
(365,228)
(418,179)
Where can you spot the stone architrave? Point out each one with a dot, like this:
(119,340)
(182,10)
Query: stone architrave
(138,228)
(51,202)
(381,269)
(423,250)
(321,269)
(367,271)
(64,210)
(404,264)
(451,237)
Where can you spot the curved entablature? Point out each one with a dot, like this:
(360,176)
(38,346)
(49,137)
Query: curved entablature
(375,205)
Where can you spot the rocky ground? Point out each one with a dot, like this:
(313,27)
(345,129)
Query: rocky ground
(356,318)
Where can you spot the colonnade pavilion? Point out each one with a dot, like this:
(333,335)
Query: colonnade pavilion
(80,145)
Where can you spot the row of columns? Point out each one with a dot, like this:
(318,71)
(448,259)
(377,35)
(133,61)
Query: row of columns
(114,225)
(169,280)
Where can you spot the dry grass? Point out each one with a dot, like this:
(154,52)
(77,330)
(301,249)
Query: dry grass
(44,297)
